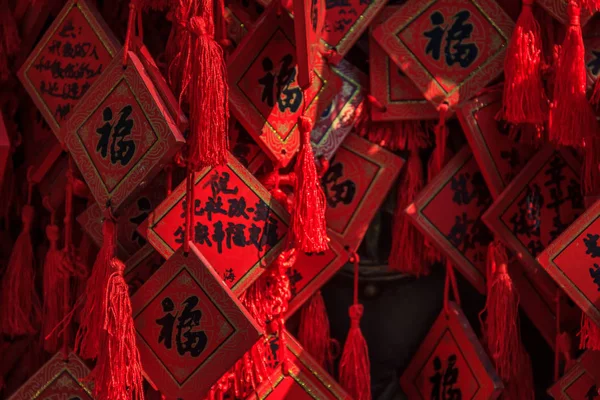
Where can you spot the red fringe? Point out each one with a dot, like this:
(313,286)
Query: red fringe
(308,219)
(520,387)
(572,119)
(589,335)
(355,367)
(18,285)
(524,100)
(118,372)
(313,332)
(54,294)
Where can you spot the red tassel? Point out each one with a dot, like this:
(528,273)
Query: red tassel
(408,254)
(589,335)
(313,332)
(10,43)
(520,386)
(18,284)
(205,88)
(355,367)
(118,372)
(53,311)
(87,341)
(572,119)
(308,219)
(525,100)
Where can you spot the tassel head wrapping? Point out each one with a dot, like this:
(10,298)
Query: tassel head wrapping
(308,219)
(524,98)
(18,284)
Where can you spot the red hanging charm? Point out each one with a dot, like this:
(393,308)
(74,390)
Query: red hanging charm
(313,332)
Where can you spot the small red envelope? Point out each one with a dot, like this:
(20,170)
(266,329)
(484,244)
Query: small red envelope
(580,381)
(449,48)
(140,267)
(448,211)
(76,49)
(359,176)
(338,119)
(451,360)
(304,380)
(573,261)
(537,206)
(190,328)
(398,95)
(238,227)
(57,379)
(499,157)
(121,134)
(264,91)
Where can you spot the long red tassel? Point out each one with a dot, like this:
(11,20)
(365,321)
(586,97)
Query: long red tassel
(313,332)
(87,341)
(572,119)
(118,372)
(308,219)
(525,98)
(53,310)
(21,311)
(355,367)
(10,43)
(589,335)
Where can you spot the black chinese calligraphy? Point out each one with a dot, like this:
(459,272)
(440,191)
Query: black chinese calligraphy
(294,277)
(592,393)
(591,245)
(337,190)
(594,64)
(242,147)
(279,88)
(187,339)
(121,148)
(455,51)
(228,275)
(144,207)
(443,380)
(462,195)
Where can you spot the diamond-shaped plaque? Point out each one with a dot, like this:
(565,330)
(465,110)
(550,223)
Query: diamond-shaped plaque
(451,349)
(244,148)
(140,267)
(592,59)
(573,259)
(394,90)
(313,270)
(359,176)
(580,381)
(72,54)
(499,157)
(537,206)
(337,120)
(264,91)
(236,224)
(448,212)
(121,133)
(304,380)
(131,216)
(190,328)
(450,48)
(558,9)
(57,379)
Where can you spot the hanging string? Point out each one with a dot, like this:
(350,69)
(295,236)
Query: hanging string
(450,282)
(189,209)
(135,10)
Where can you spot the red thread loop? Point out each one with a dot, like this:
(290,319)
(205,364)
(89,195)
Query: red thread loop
(574,12)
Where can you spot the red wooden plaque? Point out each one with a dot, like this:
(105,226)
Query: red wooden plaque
(451,360)
(558,9)
(264,91)
(57,379)
(336,122)
(499,157)
(129,240)
(592,60)
(244,148)
(140,267)
(309,17)
(190,328)
(534,209)
(69,58)
(121,133)
(4,149)
(245,12)
(359,176)
(394,90)
(236,29)
(580,381)
(448,211)
(313,270)
(237,226)
(474,32)
(304,380)
(571,260)
(346,21)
